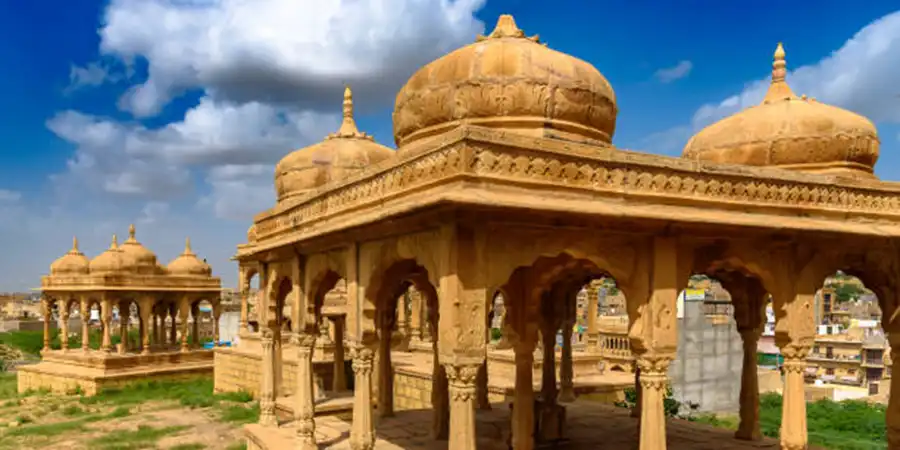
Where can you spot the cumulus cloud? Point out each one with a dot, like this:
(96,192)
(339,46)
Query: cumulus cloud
(7,196)
(268,76)
(270,73)
(676,72)
(281,51)
(860,76)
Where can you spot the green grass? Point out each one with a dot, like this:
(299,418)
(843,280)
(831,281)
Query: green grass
(144,437)
(240,414)
(846,425)
(8,386)
(238,446)
(194,446)
(195,393)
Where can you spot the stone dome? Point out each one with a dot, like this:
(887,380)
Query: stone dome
(72,263)
(509,81)
(113,260)
(343,153)
(144,260)
(790,132)
(188,264)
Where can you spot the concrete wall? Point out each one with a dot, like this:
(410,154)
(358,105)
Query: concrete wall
(707,368)
(229,325)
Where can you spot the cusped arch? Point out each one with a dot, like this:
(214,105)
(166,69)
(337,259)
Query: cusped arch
(713,260)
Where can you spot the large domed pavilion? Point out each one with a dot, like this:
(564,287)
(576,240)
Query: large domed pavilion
(124,286)
(505,182)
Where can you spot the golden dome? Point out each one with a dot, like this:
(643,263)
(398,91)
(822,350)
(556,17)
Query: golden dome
(72,263)
(335,158)
(113,260)
(144,260)
(188,264)
(509,81)
(790,132)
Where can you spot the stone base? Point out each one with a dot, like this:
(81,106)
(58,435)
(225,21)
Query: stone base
(340,405)
(89,373)
(240,368)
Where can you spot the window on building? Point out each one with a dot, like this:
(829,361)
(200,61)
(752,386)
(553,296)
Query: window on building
(816,349)
(829,352)
(851,372)
(826,303)
(829,371)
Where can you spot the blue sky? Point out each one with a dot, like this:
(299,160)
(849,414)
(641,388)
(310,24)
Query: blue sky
(170,114)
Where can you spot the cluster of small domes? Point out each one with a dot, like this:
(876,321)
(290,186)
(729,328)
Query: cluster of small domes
(512,82)
(130,258)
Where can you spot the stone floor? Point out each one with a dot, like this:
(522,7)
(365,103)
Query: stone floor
(590,426)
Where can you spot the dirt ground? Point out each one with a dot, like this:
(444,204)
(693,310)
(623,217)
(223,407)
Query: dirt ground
(43,421)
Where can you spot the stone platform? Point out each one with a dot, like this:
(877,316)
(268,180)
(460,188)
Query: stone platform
(336,405)
(239,368)
(89,372)
(591,426)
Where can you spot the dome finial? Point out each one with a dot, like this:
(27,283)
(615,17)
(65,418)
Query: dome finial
(115,243)
(779,66)
(779,89)
(131,232)
(506,28)
(348,125)
(75,245)
(187,246)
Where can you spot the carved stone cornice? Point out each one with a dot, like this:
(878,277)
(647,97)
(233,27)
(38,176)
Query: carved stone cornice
(491,156)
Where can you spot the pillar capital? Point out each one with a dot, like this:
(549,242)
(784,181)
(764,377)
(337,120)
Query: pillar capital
(654,364)
(305,340)
(461,378)
(363,358)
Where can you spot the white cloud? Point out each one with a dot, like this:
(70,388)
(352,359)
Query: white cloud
(281,51)
(676,72)
(8,196)
(269,74)
(860,76)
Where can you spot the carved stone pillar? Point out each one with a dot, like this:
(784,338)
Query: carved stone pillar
(638,394)
(440,398)
(183,312)
(749,397)
(217,314)
(245,311)
(593,333)
(105,316)
(892,415)
(385,373)
(415,320)
(362,433)
(481,382)
(793,410)
(267,383)
(173,331)
(145,311)
(461,379)
(548,368)
(523,404)
(654,381)
(566,372)
(402,320)
(48,316)
(340,375)
(64,326)
(85,312)
(304,409)
(195,324)
(123,327)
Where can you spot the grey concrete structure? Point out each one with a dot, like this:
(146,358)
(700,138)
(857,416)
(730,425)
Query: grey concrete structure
(707,369)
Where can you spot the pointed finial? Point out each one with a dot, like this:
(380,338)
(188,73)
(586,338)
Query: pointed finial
(115,243)
(348,125)
(187,246)
(779,67)
(506,28)
(779,89)
(131,232)
(75,245)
